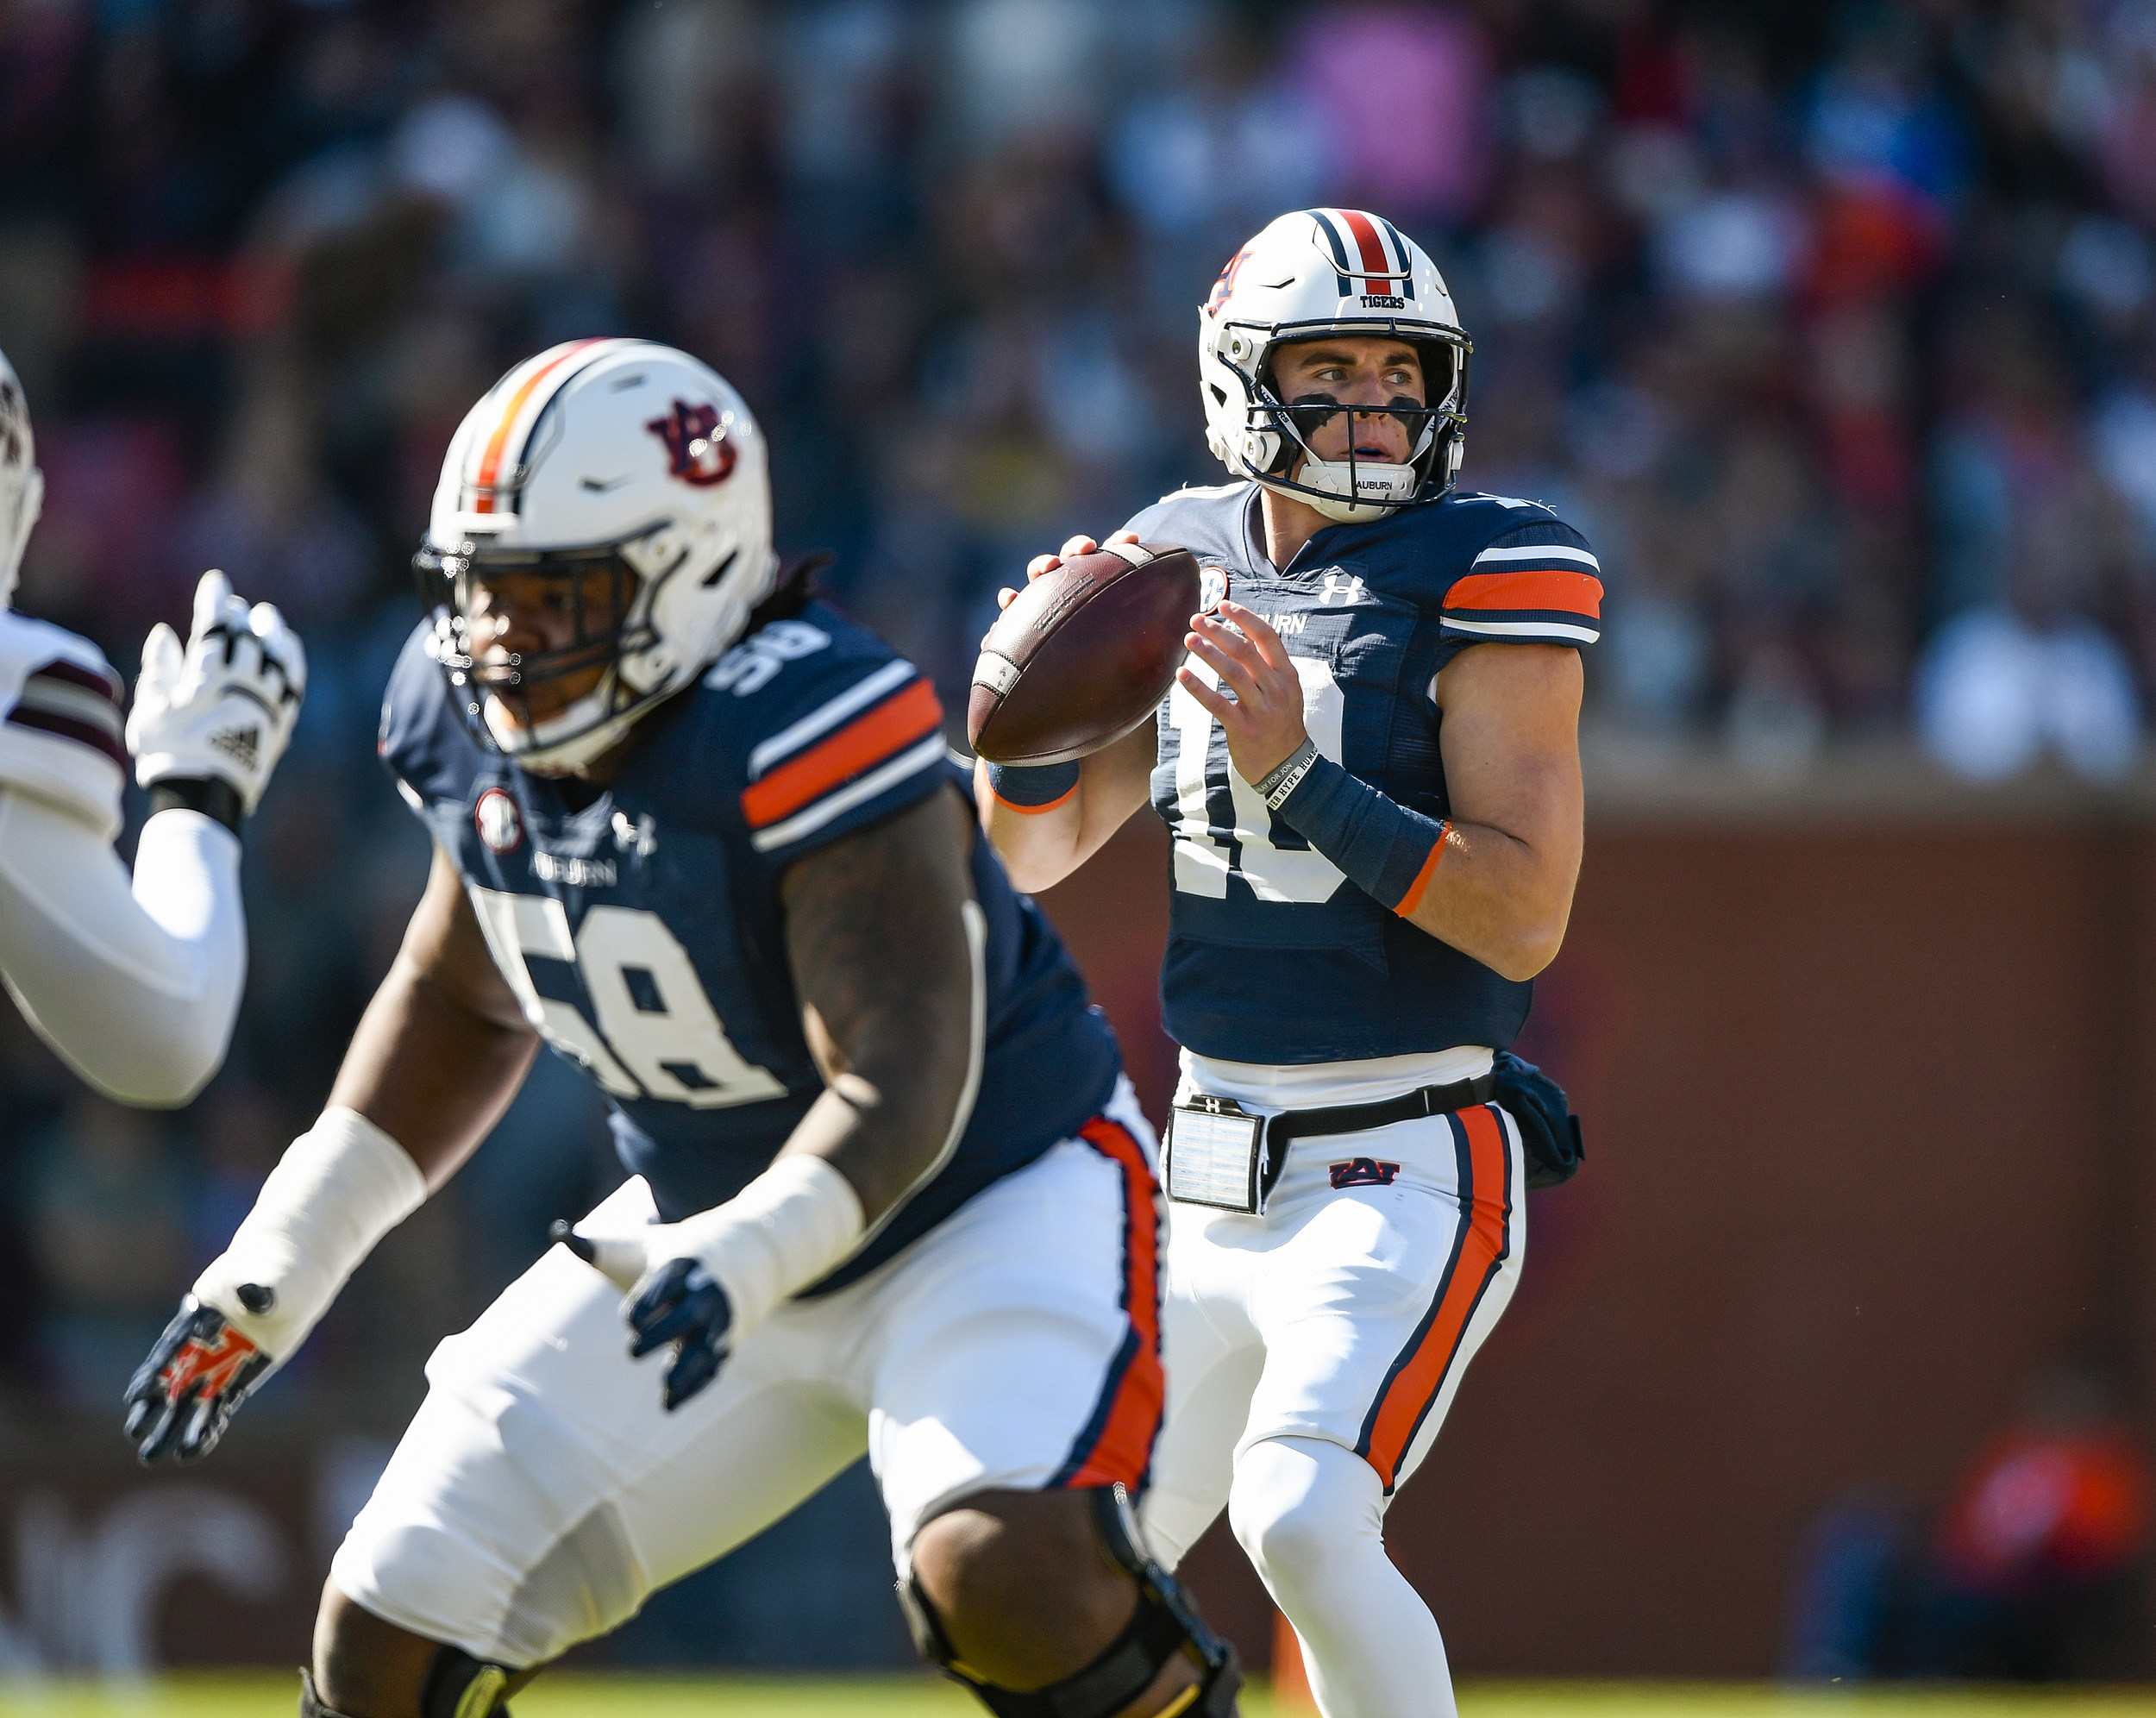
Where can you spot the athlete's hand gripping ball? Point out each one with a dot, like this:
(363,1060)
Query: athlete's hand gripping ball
(202,1368)
(221,709)
(1041,564)
(1264,719)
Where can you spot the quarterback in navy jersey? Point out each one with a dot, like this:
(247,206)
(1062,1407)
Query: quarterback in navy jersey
(890,1193)
(1369,768)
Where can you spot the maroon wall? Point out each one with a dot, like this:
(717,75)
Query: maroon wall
(1868,1118)
(1868,1108)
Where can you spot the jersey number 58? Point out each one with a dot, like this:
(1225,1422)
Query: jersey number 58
(677,1052)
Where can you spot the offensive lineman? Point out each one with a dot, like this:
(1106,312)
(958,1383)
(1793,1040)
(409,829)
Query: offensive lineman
(1369,767)
(890,1191)
(134,981)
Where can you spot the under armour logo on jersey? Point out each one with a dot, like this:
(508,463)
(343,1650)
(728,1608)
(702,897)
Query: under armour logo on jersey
(696,438)
(1344,588)
(1363,1172)
(242,745)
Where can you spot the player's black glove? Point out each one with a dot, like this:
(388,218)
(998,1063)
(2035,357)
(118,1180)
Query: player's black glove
(678,1302)
(200,1369)
(682,1303)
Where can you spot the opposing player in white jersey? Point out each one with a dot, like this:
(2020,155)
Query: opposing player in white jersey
(134,981)
(1369,766)
(890,1195)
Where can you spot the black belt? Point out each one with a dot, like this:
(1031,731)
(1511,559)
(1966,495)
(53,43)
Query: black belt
(1289,1125)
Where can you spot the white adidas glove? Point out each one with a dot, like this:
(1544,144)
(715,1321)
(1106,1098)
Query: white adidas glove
(224,707)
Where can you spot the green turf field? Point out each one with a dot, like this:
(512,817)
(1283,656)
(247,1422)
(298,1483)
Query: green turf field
(627,1696)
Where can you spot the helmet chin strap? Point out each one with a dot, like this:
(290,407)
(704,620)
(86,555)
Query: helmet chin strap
(1338,483)
(1341,484)
(530,748)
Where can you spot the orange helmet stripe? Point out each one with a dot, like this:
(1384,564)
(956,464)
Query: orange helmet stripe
(491,462)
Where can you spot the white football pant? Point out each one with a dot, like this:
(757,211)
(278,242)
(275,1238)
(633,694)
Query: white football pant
(1313,1351)
(541,1493)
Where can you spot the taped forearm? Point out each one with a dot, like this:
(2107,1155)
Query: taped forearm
(134,984)
(792,1224)
(1031,790)
(1386,850)
(801,1217)
(338,1190)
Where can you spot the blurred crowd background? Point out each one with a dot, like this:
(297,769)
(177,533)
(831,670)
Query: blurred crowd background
(1833,325)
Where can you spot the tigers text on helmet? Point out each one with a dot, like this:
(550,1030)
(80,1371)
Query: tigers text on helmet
(1321,272)
(599,456)
(21,483)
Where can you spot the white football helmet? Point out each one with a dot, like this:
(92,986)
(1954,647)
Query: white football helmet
(620,455)
(21,483)
(1330,272)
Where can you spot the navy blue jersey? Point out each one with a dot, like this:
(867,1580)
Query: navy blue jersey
(644,933)
(1273,955)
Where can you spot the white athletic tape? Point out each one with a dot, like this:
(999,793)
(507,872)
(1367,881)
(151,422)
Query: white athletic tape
(787,1227)
(338,1190)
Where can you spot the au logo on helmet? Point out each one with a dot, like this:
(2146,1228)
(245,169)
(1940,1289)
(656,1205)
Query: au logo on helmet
(696,438)
(1226,284)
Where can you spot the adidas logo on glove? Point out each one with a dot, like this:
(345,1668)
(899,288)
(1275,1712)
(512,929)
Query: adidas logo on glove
(242,745)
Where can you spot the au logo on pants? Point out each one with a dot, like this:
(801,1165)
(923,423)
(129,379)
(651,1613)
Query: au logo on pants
(1363,1172)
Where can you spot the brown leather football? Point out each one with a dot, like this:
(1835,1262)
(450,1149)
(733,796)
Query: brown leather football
(1083,655)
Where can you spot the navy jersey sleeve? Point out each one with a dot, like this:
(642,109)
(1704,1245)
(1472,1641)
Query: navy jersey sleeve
(1536,584)
(837,739)
(423,743)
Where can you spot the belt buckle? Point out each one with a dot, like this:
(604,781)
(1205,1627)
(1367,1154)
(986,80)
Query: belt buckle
(1216,1155)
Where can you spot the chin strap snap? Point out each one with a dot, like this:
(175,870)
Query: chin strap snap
(1167,1623)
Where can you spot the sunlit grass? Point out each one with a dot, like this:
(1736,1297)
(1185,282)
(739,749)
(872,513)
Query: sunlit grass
(274,1695)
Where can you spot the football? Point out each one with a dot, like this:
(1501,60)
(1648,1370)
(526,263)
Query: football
(1083,655)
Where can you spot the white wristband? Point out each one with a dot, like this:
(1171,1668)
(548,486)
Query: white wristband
(786,1228)
(338,1190)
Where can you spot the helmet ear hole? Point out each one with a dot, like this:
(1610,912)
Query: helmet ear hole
(1220,394)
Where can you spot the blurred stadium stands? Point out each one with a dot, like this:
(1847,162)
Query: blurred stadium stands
(1833,326)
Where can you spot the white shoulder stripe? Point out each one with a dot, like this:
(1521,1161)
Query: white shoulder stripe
(55,697)
(1554,630)
(792,737)
(909,763)
(1540,552)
